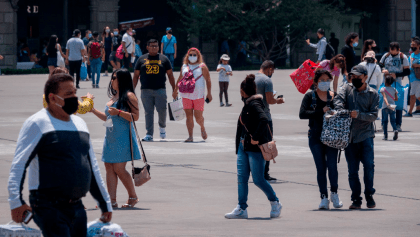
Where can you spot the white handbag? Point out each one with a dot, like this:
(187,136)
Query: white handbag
(18,230)
(60,60)
(176,110)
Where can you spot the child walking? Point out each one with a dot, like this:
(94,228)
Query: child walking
(390,95)
(224,71)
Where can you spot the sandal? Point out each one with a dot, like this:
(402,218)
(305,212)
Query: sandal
(190,139)
(114,205)
(132,204)
(204,134)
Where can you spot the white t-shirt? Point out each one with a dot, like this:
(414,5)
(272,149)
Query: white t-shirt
(200,84)
(376,78)
(223,77)
(128,39)
(395,64)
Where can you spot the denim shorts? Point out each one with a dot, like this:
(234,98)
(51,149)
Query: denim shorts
(52,62)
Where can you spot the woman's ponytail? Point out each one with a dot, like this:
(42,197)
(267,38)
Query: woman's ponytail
(248,85)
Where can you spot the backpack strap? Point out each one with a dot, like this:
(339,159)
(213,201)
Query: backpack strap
(313,104)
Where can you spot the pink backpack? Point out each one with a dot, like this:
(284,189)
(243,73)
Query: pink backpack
(120,52)
(187,83)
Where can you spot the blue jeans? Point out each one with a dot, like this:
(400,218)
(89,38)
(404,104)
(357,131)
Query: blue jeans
(356,153)
(252,162)
(171,58)
(385,113)
(325,157)
(398,117)
(96,65)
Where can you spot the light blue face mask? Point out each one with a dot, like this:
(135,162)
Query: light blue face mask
(324,85)
(115,32)
(355,44)
(90,35)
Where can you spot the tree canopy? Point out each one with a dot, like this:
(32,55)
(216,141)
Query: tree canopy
(269,26)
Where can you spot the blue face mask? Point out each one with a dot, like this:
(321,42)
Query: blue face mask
(324,85)
(90,35)
(355,44)
(115,33)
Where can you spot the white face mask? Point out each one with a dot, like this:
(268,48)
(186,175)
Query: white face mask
(192,59)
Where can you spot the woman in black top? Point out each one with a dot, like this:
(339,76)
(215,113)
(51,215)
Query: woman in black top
(352,40)
(314,105)
(107,41)
(52,49)
(252,130)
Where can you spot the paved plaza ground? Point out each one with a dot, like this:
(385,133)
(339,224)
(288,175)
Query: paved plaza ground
(194,185)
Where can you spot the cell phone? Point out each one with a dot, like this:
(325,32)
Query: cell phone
(207,100)
(27,217)
(280,96)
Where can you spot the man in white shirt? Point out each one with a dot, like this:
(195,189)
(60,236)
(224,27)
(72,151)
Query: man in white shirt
(127,43)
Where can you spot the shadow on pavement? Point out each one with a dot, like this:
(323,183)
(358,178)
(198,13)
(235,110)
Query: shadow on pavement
(342,210)
(259,218)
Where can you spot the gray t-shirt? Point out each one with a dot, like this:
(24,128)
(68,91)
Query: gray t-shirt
(264,84)
(222,73)
(395,64)
(391,90)
(75,45)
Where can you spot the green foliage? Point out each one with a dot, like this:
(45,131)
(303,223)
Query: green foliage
(269,26)
(10,71)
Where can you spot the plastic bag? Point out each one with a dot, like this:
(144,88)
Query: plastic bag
(97,228)
(60,60)
(18,230)
(83,71)
(176,110)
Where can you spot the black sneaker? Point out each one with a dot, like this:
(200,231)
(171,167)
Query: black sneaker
(370,203)
(385,138)
(395,135)
(416,112)
(270,179)
(356,205)
(77,86)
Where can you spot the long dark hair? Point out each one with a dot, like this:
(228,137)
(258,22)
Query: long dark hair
(125,85)
(365,49)
(52,43)
(104,32)
(351,36)
(339,59)
(248,85)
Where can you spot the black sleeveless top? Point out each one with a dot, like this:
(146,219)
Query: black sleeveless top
(108,42)
(52,53)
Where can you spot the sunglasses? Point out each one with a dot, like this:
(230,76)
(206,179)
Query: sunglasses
(193,55)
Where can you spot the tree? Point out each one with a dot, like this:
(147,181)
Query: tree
(269,26)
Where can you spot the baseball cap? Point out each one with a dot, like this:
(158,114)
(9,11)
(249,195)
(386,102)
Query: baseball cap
(358,70)
(169,28)
(225,57)
(370,54)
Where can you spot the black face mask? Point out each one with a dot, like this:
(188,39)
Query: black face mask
(357,82)
(414,49)
(393,55)
(170,32)
(70,105)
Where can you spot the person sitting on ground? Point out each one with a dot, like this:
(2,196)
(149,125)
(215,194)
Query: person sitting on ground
(194,102)
(55,146)
(325,157)
(390,95)
(225,71)
(252,130)
(333,66)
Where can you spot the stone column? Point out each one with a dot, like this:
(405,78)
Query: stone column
(103,13)
(399,22)
(8,33)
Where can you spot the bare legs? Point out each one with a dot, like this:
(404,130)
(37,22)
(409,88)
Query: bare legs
(190,123)
(115,171)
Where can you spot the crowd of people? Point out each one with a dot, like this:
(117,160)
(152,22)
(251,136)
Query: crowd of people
(55,197)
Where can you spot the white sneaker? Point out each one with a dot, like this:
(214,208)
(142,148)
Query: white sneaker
(237,213)
(162,133)
(325,203)
(335,199)
(147,138)
(275,209)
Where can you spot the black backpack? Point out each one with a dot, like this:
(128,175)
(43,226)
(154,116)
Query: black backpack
(329,51)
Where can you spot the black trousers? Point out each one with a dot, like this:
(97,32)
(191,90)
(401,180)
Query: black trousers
(59,218)
(75,68)
(127,61)
(267,163)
